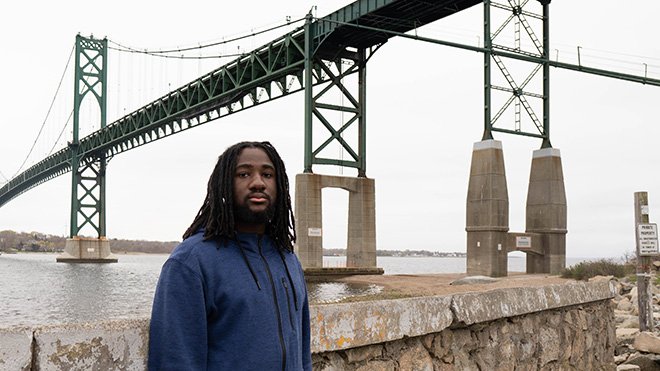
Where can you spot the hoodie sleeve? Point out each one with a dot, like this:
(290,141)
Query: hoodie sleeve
(306,351)
(177,334)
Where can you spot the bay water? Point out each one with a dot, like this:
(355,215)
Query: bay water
(36,290)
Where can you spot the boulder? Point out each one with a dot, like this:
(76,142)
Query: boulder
(647,342)
(624,305)
(626,332)
(646,362)
(629,322)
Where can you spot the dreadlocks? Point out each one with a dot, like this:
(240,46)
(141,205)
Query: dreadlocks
(216,215)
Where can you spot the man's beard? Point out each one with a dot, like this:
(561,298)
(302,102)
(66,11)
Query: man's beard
(244,215)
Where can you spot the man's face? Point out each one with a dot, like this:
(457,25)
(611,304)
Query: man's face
(255,188)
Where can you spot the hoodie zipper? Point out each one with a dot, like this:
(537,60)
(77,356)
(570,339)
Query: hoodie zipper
(277,307)
(288,301)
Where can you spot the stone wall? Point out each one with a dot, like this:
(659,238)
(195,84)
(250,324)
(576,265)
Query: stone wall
(567,326)
(574,338)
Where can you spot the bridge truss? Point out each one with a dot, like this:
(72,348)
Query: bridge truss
(318,59)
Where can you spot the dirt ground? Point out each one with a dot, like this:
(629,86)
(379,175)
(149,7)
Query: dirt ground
(440,284)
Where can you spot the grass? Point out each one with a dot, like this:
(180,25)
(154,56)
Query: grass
(602,267)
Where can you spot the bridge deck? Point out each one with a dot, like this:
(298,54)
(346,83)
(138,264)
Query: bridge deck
(236,85)
(397,15)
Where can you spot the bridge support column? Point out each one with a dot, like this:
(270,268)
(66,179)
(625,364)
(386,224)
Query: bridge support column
(87,250)
(361,246)
(546,211)
(309,225)
(487,214)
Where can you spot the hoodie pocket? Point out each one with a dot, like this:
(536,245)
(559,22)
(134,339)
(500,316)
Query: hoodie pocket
(288,301)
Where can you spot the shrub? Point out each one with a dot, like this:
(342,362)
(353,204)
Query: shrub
(602,267)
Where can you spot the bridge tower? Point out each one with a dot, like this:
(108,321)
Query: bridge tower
(88,170)
(340,69)
(487,216)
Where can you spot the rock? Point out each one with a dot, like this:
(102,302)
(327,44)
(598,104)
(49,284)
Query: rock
(329,361)
(626,332)
(378,366)
(621,313)
(362,353)
(416,359)
(633,294)
(600,278)
(624,305)
(472,280)
(647,342)
(627,367)
(646,362)
(620,358)
(629,322)
(623,348)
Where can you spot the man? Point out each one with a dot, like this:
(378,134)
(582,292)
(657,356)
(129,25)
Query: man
(232,295)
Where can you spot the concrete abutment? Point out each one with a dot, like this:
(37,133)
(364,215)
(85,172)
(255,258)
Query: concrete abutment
(87,250)
(546,211)
(361,239)
(487,213)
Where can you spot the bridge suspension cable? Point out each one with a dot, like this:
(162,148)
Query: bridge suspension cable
(163,53)
(59,85)
(66,124)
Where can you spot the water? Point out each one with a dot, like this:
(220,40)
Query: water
(34,289)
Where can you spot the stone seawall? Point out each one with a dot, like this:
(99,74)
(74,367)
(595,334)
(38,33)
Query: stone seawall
(555,327)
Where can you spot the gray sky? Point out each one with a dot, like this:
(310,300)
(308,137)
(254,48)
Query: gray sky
(424,114)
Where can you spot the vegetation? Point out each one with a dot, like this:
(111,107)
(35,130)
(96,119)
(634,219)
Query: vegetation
(39,242)
(602,267)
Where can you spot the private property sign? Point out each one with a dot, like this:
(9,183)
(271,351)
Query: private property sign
(647,237)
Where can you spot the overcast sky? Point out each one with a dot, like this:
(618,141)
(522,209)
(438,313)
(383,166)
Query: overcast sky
(424,112)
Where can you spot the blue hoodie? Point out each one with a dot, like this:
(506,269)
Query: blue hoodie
(239,306)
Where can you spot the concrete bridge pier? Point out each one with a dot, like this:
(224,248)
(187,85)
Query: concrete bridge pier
(361,244)
(87,250)
(546,211)
(487,214)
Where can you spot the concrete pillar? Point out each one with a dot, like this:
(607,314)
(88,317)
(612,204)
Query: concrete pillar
(487,216)
(309,227)
(546,211)
(361,247)
(87,250)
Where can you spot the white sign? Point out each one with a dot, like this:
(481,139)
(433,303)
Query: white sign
(314,232)
(647,237)
(523,242)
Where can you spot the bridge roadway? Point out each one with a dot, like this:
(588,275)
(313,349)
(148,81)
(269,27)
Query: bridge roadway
(241,84)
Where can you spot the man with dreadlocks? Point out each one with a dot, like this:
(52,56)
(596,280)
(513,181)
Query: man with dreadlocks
(232,295)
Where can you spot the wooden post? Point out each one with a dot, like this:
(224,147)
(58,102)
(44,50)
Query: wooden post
(644,295)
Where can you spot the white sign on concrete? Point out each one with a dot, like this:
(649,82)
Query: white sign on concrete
(523,242)
(314,232)
(647,237)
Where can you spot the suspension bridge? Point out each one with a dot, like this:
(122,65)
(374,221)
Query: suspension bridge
(341,44)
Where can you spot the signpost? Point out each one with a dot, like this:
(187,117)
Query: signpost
(647,245)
